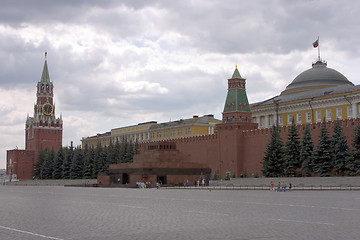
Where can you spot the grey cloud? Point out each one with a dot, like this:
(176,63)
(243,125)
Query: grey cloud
(233,26)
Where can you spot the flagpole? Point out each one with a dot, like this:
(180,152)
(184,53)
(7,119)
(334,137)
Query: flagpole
(318,48)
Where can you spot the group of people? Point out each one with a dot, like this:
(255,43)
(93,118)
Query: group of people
(197,183)
(281,187)
(145,185)
(200,182)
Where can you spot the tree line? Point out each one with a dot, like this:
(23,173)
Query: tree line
(330,157)
(78,163)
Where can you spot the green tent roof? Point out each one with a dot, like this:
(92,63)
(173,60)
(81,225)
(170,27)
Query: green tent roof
(236,101)
(45,77)
(236,74)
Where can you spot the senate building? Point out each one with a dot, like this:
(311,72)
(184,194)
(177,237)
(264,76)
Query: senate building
(317,93)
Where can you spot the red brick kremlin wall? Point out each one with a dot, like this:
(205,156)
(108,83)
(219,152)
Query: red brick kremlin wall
(234,149)
(255,141)
(20,162)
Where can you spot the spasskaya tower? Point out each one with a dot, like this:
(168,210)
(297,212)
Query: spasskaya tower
(44,130)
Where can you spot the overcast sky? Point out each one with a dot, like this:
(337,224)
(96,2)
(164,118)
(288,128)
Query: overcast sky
(119,63)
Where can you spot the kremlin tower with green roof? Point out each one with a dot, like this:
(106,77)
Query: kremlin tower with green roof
(236,107)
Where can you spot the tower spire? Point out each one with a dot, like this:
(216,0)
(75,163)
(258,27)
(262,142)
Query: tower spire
(45,78)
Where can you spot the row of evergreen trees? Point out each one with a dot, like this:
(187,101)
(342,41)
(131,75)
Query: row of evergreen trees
(331,156)
(78,163)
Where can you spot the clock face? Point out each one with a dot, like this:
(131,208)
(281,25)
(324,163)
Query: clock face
(47,109)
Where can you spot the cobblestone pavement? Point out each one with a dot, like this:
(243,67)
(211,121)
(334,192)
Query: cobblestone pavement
(51,212)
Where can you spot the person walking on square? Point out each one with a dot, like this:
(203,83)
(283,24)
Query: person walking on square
(271,186)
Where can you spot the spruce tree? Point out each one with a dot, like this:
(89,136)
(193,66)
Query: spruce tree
(104,162)
(352,166)
(273,162)
(89,154)
(39,163)
(59,159)
(323,157)
(117,151)
(97,160)
(48,165)
(129,154)
(292,152)
(77,164)
(123,150)
(306,153)
(340,150)
(66,167)
(112,153)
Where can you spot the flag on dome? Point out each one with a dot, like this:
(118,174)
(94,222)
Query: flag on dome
(316,43)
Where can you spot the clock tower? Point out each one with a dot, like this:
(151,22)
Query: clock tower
(44,130)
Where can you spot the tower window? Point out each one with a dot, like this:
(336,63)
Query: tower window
(262,121)
(308,117)
(349,112)
(298,116)
(338,113)
(180,132)
(271,120)
(281,120)
(328,114)
(290,118)
(318,115)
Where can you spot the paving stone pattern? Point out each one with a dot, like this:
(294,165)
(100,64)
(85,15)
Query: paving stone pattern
(54,212)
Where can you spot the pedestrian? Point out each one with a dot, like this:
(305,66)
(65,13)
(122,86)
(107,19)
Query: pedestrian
(271,186)
(290,187)
(203,182)
(279,187)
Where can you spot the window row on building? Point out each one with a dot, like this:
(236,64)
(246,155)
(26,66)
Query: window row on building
(152,131)
(307,116)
